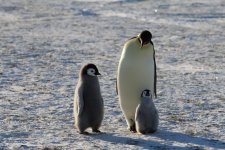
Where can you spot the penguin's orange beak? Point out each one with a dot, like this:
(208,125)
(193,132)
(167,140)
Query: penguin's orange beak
(141,42)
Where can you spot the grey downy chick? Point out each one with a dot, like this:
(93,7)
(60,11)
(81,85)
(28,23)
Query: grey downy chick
(88,102)
(146,117)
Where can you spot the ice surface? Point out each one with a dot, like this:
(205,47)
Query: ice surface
(44,43)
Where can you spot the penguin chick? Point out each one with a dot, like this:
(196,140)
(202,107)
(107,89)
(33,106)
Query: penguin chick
(146,117)
(88,102)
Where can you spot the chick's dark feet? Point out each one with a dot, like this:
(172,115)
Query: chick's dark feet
(96,131)
(85,133)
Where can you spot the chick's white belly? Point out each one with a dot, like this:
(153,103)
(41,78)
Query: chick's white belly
(132,80)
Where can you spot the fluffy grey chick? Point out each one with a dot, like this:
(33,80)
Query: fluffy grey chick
(146,116)
(88,102)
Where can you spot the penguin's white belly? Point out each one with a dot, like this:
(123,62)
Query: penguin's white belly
(133,77)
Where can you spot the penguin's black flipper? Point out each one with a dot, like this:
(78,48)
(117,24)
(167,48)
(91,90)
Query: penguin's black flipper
(155,76)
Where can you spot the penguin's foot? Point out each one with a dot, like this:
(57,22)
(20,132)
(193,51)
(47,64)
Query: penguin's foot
(85,133)
(133,128)
(96,131)
(152,131)
(143,132)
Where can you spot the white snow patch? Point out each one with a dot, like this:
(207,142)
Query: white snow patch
(6,17)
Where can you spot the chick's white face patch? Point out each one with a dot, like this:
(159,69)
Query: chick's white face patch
(146,93)
(91,72)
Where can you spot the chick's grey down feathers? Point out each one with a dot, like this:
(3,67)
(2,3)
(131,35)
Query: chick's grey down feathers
(88,102)
(146,117)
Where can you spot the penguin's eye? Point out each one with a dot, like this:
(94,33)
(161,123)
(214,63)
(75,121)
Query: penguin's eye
(145,93)
(91,72)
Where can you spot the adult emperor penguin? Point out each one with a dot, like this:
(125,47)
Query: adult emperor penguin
(137,69)
(88,102)
(146,116)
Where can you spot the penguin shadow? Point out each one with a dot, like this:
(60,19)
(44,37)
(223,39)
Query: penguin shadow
(129,1)
(168,136)
(184,138)
(144,144)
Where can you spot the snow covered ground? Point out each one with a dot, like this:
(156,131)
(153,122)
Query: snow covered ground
(44,43)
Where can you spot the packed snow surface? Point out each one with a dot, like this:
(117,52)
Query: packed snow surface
(44,43)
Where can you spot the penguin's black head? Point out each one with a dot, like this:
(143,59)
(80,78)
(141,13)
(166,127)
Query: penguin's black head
(145,37)
(90,69)
(146,93)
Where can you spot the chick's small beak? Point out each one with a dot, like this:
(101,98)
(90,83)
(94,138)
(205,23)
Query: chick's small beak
(97,73)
